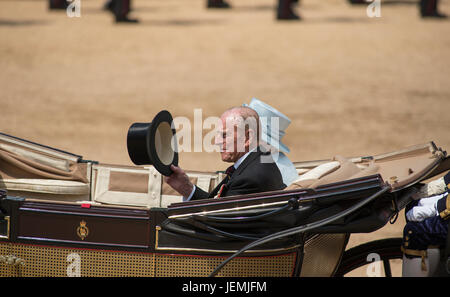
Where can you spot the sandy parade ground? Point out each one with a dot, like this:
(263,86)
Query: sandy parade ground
(352,85)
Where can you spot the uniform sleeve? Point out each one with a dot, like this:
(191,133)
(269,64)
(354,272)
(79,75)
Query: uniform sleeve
(443,207)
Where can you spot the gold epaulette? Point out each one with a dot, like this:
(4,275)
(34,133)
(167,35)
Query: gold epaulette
(445,214)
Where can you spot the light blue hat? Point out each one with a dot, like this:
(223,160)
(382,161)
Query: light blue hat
(270,134)
(287,168)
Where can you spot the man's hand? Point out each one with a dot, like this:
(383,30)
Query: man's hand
(426,208)
(179,181)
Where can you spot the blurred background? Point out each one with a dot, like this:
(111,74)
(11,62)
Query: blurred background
(352,84)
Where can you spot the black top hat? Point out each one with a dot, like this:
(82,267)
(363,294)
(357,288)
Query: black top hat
(154,143)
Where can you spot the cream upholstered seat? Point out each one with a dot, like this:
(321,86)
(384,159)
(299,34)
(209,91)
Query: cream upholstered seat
(31,170)
(337,170)
(140,186)
(50,186)
(34,171)
(398,168)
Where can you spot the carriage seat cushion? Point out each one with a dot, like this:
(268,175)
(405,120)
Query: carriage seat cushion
(346,170)
(338,170)
(50,186)
(319,171)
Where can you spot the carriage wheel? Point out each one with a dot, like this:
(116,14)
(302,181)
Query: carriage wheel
(356,257)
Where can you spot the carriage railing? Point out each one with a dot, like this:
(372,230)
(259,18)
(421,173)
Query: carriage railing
(272,219)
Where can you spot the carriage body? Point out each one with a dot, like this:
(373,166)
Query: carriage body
(62,215)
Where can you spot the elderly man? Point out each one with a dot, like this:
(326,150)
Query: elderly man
(253,170)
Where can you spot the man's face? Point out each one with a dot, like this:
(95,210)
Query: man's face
(231,139)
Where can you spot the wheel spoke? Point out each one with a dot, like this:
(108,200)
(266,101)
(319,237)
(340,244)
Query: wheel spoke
(387,249)
(387,267)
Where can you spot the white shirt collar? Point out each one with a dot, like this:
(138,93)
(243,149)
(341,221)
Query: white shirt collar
(241,159)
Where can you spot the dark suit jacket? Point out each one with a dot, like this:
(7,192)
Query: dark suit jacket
(252,176)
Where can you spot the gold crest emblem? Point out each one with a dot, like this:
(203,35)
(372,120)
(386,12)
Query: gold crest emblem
(82,230)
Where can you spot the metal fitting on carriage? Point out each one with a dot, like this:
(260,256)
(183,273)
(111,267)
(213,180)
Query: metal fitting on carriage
(12,260)
(293,202)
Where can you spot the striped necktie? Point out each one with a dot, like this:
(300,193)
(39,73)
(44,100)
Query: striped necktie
(229,173)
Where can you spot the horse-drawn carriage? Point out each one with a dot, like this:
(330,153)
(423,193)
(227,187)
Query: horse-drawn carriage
(62,215)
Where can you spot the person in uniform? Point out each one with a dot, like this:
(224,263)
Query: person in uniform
(426,230)
(284,8)
(217,4)
(120,10)
(428,8)
(253,169)
(58,4)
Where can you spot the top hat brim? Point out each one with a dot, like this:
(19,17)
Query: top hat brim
(154,143)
